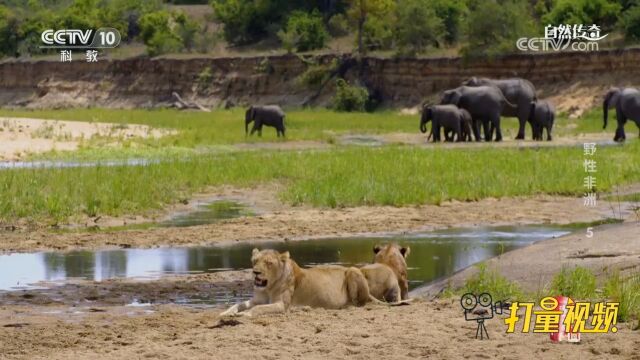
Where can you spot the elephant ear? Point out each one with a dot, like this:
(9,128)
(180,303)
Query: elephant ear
(455,98)
(612,97)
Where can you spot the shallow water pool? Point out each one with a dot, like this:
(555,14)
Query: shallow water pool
(433,255)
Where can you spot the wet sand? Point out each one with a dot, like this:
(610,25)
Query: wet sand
(425,329)
(90,321)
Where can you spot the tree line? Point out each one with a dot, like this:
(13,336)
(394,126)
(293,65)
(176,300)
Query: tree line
(404,27)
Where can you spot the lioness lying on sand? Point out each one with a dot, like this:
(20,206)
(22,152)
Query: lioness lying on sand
(394,255)
(382,281)
(279,282)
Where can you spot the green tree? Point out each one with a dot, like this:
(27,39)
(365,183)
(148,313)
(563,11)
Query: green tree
(9,24)
(157,33)
(376,12)
(494,26)
(418,27)
(240,18)
(307,29)
(451,12)
(603,13)
(630,23)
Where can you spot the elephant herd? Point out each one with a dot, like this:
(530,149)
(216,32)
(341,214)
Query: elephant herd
(478,104)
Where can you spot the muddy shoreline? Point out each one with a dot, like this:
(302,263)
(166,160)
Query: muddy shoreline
(284,224)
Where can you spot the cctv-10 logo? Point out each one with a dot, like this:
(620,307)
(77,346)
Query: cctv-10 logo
(75,38)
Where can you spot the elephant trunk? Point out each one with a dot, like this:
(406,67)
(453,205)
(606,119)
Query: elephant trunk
(605,111)
(424,119)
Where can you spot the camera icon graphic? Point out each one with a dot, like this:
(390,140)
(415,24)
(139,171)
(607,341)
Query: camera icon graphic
(480,308)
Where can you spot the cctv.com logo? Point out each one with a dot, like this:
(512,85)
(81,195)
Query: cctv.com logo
(561,37)
(76,38)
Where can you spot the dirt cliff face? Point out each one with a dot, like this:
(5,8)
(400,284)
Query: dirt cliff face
(573,80)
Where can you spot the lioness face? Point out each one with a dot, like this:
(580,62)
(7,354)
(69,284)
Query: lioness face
(268,266)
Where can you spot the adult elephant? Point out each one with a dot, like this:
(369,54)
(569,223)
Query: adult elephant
(447,117)
(517,91)
(269,115)
(541,117)
(627,104)
(484,103)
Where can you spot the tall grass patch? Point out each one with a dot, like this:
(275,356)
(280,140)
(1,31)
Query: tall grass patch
(351,176)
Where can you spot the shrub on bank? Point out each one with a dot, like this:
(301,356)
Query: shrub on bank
(350,97)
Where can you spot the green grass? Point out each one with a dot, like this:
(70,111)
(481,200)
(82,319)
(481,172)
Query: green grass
(227,126)
(578,283)
(626,291)
(199,130)
(349,176)
(490,281)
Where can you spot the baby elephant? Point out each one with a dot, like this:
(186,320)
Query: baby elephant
(449,117)
(270,115)
(541,116)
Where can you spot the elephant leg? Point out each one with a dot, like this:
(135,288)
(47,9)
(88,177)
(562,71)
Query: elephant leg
(496,124)
(253,129)
(523,115)
(488,132)
(620,135)
(548,127)
(475,124)
(459,132)
(436,133)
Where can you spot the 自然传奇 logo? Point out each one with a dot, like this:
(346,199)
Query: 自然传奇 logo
(561,37)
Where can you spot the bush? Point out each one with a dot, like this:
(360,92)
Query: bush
(187,30)
(578,284)
(164,32)
(417,28)
(490,281)
(630,23)
(350,97)
(338,25)
(316,74)
(308,30)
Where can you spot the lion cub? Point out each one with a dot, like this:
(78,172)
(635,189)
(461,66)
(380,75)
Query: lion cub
(279,282)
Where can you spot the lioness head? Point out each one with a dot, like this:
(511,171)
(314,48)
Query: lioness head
(394,255)
(268,267)
(390,253)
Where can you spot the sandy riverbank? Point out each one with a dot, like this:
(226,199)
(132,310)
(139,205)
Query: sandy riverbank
(287,224)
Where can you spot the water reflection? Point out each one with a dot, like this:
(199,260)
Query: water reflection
(433,255)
